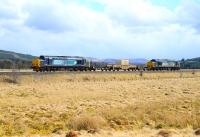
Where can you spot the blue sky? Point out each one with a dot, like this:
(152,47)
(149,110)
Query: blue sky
(171,4)
(102,28)
(91,4)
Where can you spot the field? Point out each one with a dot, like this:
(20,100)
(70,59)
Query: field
(101,104)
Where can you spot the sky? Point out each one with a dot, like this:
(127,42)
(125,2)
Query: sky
(102,28)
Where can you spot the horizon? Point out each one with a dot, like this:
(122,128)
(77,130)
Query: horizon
(102,29)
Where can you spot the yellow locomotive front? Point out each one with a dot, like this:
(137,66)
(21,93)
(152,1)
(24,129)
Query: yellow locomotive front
(151,65)
(36,64)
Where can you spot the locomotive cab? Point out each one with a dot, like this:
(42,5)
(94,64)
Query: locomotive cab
(151,64)
(39,63)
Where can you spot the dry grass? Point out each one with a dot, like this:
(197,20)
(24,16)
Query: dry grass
(12,79)
(41,104)
(87,122)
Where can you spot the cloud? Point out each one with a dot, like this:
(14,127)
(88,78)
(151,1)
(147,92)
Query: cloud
(136,12)
(5,7)
(47,15)
(188,14)
(121,29)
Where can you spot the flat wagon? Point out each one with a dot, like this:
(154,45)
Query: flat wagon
(120,65)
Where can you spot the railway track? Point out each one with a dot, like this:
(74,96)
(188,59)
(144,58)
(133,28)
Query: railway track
(10,72)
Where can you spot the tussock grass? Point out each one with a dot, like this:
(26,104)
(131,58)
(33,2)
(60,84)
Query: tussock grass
(13,79)
(87,122)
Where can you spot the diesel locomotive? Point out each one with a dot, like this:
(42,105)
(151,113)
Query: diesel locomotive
(162,64)
(57,63)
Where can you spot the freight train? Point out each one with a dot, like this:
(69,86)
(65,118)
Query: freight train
(76,63)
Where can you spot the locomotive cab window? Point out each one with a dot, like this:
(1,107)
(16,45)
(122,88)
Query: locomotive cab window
(42,57)
(80,62)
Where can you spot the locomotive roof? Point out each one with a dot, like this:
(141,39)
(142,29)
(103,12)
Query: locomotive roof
(163,60)
(62,57)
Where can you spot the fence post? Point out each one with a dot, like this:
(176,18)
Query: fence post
(193,72)
(141,73)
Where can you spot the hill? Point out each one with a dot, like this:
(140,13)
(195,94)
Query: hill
(8,55)
(10,59)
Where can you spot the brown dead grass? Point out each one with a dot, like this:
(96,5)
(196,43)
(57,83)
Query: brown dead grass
(40,104)
(87,122)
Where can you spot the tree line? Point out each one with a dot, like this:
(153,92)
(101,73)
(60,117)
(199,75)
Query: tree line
(190,63)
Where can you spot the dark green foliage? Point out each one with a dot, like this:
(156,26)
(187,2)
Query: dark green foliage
(190,63)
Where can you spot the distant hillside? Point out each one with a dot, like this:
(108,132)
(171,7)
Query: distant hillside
(10,59)
(8,55)
(138,61)
(191,63)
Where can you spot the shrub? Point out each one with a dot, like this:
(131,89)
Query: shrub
(13,79)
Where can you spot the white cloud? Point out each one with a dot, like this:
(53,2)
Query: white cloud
(136,12)
(188,14)
(125,28)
